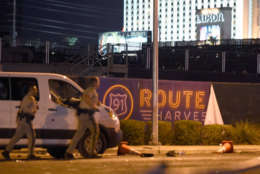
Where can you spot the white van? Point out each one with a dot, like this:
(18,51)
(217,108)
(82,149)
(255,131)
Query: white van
(54,124)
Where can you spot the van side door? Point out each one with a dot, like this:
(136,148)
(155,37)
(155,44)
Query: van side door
(60,116)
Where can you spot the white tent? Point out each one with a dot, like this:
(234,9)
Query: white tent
(213,115)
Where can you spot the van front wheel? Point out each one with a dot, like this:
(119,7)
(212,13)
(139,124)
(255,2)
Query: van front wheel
(57,152)
(85,142)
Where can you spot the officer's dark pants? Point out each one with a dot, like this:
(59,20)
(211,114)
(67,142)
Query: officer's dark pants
(23,128)
(85,121)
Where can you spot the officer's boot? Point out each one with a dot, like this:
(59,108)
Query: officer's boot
(68,156)
(6,154)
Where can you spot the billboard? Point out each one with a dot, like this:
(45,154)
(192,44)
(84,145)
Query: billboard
(177,100)
(214,23)
(210,31)
(118,42)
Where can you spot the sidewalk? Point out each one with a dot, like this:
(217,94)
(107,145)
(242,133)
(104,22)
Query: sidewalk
(160,149)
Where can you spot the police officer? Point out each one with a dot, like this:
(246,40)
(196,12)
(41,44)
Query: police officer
(25,115)
(85,112)
(92,81)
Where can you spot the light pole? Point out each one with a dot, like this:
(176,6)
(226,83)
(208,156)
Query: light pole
(14,24)
(0,50)
(155,73)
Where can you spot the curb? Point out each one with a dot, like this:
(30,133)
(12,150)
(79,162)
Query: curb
(188,149)
(161,150)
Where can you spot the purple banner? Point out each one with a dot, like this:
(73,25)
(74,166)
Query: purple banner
(177,100)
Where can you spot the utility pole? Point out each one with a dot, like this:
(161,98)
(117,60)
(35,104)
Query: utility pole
(1,50)
(155,73)
(47,52)
(14,24)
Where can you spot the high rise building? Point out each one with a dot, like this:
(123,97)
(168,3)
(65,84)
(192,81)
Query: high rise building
(187,20)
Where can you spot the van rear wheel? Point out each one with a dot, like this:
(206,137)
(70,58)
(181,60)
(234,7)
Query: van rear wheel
(57,152)
(85,142)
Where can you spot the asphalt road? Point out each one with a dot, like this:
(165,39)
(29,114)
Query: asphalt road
(132,164)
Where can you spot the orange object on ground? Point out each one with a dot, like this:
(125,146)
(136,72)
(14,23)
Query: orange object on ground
(227,146)
(124,149)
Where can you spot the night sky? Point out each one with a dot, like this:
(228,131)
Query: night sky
(56,19)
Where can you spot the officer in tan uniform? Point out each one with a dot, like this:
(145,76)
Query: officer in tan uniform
(25,115)
(85,111)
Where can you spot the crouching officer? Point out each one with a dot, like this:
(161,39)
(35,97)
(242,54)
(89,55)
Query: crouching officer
(25,115)
(87,107)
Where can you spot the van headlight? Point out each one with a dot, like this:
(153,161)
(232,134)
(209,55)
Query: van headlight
(112,115)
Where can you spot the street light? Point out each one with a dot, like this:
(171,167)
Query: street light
(155,74)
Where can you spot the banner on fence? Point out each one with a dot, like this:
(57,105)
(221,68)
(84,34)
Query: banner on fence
(177,100)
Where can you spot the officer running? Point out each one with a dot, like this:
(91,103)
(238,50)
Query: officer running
(25,115)
(85,111)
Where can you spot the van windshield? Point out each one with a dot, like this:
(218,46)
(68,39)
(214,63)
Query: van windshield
(63,89)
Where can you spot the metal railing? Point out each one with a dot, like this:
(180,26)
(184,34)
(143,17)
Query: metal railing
(37,51)
(46,52)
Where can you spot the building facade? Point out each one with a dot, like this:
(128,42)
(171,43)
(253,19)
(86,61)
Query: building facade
(189,20)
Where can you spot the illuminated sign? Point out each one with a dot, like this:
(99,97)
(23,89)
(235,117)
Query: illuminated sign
(120,99)
(208,32)
(210,16)
(214,24)
(174,105)
(132,99)
(122,41)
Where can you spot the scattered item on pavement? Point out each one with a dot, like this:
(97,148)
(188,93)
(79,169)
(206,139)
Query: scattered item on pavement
(226,147)
(181,153)
(171,153)
(147,155)
(123,149)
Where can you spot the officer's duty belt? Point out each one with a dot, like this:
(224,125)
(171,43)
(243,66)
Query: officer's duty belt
(28,117)
(86,111)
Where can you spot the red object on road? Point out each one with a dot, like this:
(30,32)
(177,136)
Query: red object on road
(227,146)
(123,149)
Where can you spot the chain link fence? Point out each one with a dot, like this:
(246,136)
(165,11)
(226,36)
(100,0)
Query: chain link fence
(45,52)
